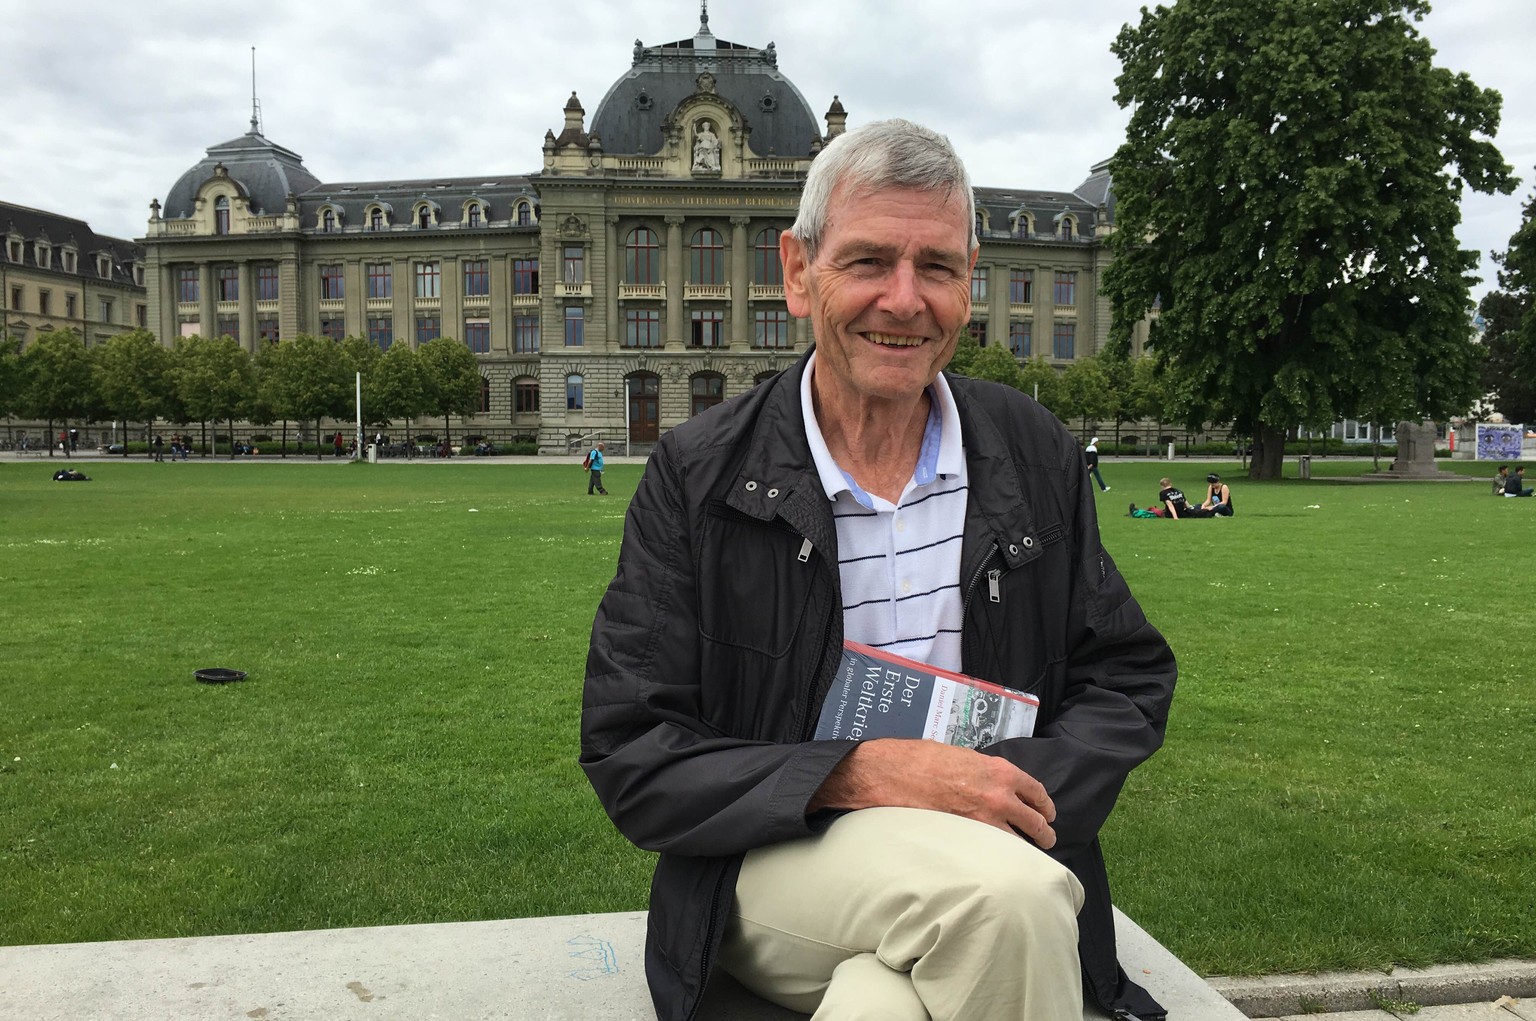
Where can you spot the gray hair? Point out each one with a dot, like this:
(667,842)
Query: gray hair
(883,154)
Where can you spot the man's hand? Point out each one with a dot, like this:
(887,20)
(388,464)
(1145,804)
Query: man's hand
(904,773)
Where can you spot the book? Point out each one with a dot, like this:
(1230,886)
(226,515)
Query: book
(877,694)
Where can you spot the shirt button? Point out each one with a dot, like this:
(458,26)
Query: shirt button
(901,524)
(906,587)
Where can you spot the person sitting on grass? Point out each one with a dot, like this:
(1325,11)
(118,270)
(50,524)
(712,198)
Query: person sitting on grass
(1218,497)
(1515,486)
(1172,503)
(70,475)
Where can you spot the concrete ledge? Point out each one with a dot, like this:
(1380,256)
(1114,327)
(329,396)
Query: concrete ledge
(577,967)
(1285,995)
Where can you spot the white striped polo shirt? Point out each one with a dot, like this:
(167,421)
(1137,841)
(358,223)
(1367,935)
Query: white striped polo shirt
(900,563)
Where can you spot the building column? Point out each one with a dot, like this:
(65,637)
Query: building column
(676,338)
(741,281)
(247,308)
(292,315)
(613,333)
(207,316)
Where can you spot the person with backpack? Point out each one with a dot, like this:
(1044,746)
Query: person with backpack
(594,466)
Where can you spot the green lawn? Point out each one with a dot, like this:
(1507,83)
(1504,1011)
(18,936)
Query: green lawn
(1347,780)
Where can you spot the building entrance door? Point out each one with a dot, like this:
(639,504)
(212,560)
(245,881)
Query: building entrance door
(644,407)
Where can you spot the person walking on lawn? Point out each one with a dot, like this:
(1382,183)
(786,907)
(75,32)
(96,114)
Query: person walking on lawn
(595,471)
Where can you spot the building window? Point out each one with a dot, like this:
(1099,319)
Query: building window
(1019,341)
(328,221)
(525,335)
(573,395)
(477,277)
(423,216)
(979,331)
(575,326)
(106,310)
(44,303)
(1021,226)
(642,327)
(429,280)
(485,395)
(226,282)
(1068,228)
(1021,287)
(266,331)
(477,335)
(381,279)
(1066,289)
(381,332)
(525,396)
(705,391)
(186,284)
(16,298)
(642,260)
(574,269)
(979,283)
(1064,343)
(767,269)
(332,284)
(981,223)
(221,215)
(333,327)
(70,301)
(770,328)
(141,315)
(524,214)
(525,276)
(474,215)
(266,283)
(707,328)
(375,218)
(13,249)
(428,328)
(706,258)
(227,326)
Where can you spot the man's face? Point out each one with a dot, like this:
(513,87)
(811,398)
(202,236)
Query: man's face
(888,294)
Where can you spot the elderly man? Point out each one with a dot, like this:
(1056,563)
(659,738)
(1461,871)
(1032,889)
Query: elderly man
(862,495)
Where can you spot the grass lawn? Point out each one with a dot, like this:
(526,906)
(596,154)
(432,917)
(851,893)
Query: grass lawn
(1347,781)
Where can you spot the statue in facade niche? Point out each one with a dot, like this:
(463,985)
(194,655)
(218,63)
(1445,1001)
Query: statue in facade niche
(706,148)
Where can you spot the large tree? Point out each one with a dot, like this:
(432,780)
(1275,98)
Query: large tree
(307,378)
(397,390)
(214,380)
(450,379)
(10,378)
(1289,190)
(1510,325)
(57,382)
(133,378)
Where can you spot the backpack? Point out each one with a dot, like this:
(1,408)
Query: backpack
(586,462)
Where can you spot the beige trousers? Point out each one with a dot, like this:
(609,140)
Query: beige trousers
(901,914)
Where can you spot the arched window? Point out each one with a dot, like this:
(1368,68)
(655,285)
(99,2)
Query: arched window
(705,390)
(328,221)
(766,267)
(221,215)
(1021,226)
(574,401)
(642,258)
(423,216)
(485,395)
(474,214)
(1067,229)
(524,214)
(981,223)
(375,218)
(525,396)
(706,263)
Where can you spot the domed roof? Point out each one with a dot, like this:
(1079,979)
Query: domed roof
(630,117)
(268,173)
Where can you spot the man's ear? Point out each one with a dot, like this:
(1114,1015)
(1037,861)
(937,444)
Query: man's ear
(796,272)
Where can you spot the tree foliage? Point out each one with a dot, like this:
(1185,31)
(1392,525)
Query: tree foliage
(1288,190)
(450,378)
(132,381)
(1510,331)
(306,378)
(397,389)
(57,381)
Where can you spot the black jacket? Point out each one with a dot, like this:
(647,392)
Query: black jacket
(719,635)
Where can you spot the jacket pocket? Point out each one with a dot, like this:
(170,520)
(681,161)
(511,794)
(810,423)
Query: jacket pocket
(754,589)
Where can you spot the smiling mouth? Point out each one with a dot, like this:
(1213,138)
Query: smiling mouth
(892,340)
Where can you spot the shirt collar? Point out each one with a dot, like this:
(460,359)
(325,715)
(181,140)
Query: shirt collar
(942,453)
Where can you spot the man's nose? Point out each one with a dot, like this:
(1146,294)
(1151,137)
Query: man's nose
(900,296)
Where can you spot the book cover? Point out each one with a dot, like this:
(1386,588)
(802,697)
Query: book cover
(877,694)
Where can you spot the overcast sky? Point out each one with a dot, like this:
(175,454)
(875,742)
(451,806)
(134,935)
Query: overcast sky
(103,105)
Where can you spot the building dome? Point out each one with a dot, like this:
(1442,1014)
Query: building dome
(265,171)
(630,119)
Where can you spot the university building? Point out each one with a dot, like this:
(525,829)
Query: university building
(630,282)
(58,274)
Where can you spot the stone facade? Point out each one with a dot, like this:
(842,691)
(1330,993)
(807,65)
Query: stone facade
(58,274)
(629,282)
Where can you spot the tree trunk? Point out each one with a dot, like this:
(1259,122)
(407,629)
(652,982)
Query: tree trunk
(408,454)
(285,438)
(320,447)
(1268,452)
(231,438)
(48,439)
